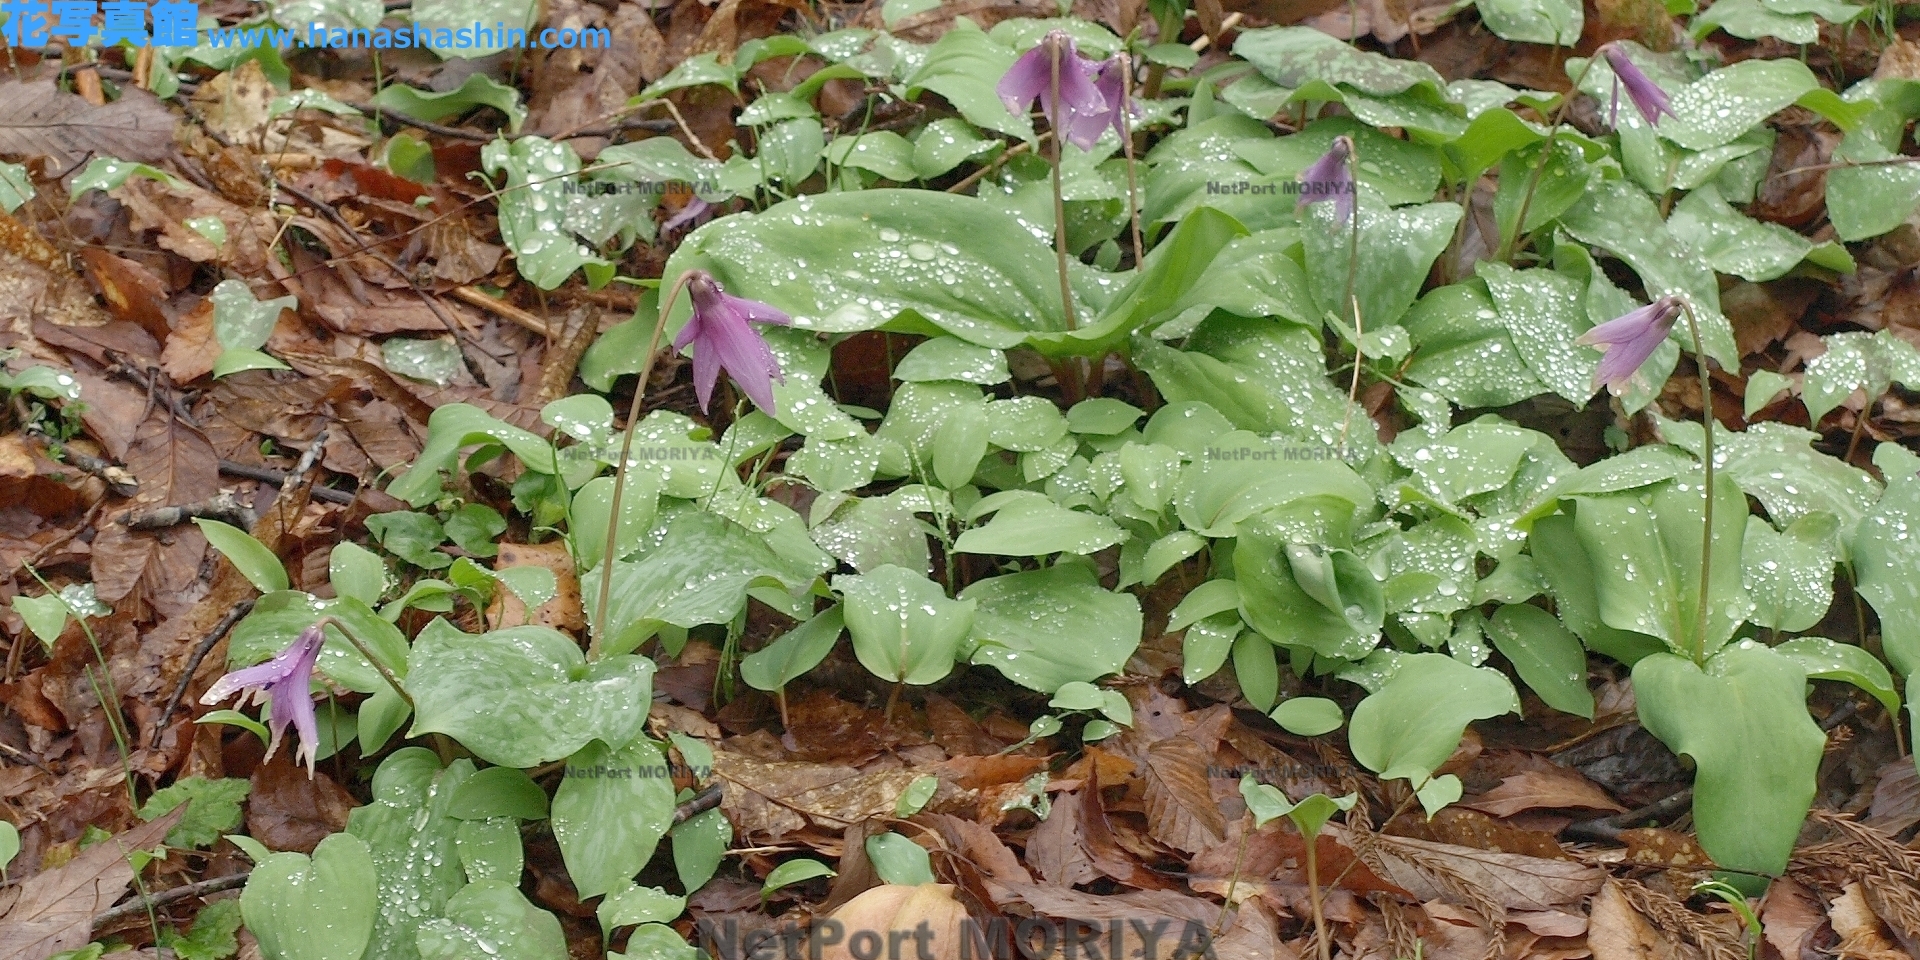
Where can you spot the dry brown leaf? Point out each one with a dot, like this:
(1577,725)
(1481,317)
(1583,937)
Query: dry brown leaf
(192,346)
(1471,828)
(1144,904)
(1862,936)
(769,800)
(1660,847)
(1556,788)
(53,911)
(39,120)
(1054,847)
(1896,798)
(1790,915)
(1518,882)
(978,845)
(563,612)
(131,291)
(288,810)
(131,570)
(1616,931)
(1180,808)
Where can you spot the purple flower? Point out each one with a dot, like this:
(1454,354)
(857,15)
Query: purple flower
(722,338)
(1646,95)
(1111,82)
(1330,178)
(1080,112)
(1629,340)
(281,683)
(694,211)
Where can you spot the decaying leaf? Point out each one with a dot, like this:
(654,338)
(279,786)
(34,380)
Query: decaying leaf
(772,799)
(54,910)
(39,120)
(1180,806)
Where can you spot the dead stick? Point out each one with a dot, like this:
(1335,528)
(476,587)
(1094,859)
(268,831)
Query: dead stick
(200,652)
(140,905)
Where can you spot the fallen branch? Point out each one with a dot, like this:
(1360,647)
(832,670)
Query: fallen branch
(224,507)
(138,906)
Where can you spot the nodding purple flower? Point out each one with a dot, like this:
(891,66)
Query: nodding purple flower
(1629,340)
(722,336)
(281,683)
(1647,97)
(1111,82)
(1330,178)
(695,211)
(1080,112)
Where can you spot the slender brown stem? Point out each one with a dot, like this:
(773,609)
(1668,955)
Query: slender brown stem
(1706,450)
(1239,858)
(1060,205)
(1126,144)
(1313,892)
(599,625)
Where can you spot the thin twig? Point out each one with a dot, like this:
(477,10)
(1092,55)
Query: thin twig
(278,479)
(1005,155)
(503,309)
(17,753)
(139,906)
(707,799)
(233,616)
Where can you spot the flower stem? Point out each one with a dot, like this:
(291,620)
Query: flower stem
(1353,302)
(385,673)
(1072,386)
(599,626)
(1060,204)
(1126,144)
(1313,892)
(1546,156)
(1706,458)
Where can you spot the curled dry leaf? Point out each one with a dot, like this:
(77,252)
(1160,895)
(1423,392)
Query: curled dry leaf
(1862,935)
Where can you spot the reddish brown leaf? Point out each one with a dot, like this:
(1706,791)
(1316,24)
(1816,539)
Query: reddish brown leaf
(192,346)
(1180,808)
(1471,828)
(1106,853)
(288,810)
(132,292)
(1054,847)
(53,911)
(1791,915)
(1660,847)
